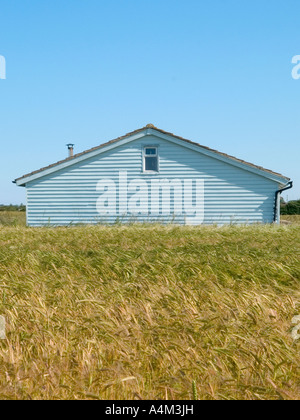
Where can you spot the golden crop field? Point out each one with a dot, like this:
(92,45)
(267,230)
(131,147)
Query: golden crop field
(149,312)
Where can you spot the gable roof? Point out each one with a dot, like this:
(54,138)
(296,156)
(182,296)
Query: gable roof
(150,129)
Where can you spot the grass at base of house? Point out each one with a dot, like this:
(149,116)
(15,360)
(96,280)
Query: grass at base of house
(18,218)
(140,312)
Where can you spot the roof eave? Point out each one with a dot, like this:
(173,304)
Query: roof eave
(80,157)
(276,177)
(22,181)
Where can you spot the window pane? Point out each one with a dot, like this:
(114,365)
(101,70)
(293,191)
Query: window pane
(151,164)
(150,151)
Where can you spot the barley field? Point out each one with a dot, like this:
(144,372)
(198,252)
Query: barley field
(149,312)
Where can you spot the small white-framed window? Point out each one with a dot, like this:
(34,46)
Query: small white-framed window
(150,159)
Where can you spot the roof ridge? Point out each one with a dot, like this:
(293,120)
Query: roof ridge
(152,127)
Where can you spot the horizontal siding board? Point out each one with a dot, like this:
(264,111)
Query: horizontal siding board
(70,195)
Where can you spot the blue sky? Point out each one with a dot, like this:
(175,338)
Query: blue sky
(217,72)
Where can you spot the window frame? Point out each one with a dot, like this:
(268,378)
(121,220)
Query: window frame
(145,171)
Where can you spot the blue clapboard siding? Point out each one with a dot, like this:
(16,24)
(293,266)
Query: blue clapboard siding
(231,194)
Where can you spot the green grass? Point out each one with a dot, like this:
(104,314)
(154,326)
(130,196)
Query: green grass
(18,218)
(150,312)
(294,218)
(12,218)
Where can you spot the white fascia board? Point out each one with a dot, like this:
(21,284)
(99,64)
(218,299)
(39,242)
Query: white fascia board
(149,131)
(231,161)
(88,155)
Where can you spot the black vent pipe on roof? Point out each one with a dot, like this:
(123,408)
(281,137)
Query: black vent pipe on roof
(71,149)
(277,193)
